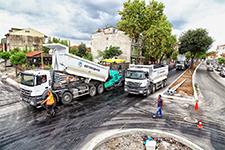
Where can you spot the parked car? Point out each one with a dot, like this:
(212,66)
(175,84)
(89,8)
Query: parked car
(209,68)
(222,72)
(219,68)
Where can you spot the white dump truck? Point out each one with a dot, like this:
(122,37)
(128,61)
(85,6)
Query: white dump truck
(70,77)
(181,63)
(145,79)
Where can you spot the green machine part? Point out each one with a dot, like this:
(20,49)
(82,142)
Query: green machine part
(114,77)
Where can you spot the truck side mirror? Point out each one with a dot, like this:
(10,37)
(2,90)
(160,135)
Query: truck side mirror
(147,75)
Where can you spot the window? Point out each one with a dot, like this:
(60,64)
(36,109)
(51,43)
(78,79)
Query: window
(41,79)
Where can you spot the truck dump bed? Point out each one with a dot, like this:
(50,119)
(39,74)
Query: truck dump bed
(156,74)
(63,61)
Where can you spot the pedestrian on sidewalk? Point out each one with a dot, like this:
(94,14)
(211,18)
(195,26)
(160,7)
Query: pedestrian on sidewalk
(159,107)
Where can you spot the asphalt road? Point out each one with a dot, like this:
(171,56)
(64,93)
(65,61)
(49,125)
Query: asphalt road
(179,116)
(213,106)
(22,127)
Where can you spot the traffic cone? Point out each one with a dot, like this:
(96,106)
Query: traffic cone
(196,105)
(200,125)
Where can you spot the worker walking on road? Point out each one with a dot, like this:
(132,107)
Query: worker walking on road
(49,103)
(159,107)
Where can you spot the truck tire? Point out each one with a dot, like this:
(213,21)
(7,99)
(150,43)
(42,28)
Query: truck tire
(153,88)
(148,92)
(164,83)
(66,98)
(100,88)
(92,90)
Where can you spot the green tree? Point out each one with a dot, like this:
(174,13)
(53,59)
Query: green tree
(58,40)
(188,55)
(45,49)
(211,53)
(141,23)
(174,55)
(5,56)
(88,56)
(82,50)
(110,52)
(221,60)
(160,43)
(18,58)
(73,50)
(195,41)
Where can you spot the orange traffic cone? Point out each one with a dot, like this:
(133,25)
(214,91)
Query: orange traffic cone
(196,105)
(200,125)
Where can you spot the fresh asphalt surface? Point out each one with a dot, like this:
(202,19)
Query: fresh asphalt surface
(22,127)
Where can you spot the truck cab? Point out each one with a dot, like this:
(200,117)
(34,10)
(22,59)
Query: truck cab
(137,81)
(145,79)
(34,85)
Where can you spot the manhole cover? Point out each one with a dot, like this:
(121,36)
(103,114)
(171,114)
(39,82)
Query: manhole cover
(190,119)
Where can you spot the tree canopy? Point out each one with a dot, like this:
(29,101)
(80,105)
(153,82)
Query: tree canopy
(81,51)
(58,40)
(148,28)
(195,41)
(110,52)
(18,58)
(5,56)
(221,60)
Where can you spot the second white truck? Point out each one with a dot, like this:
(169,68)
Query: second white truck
(145,79)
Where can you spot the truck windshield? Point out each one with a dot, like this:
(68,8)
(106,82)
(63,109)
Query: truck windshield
(27,79)
(136,75)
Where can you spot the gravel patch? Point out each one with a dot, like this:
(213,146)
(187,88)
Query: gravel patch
(135,142)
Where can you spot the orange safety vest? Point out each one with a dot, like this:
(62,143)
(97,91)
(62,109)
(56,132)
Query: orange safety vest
(50,100)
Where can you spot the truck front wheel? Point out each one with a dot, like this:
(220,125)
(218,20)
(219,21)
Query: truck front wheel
(153,88)
(92,90)
(148,92)
(66,98)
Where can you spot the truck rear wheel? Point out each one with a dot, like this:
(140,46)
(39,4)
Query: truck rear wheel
(92,90)
(66,98)
(100,88)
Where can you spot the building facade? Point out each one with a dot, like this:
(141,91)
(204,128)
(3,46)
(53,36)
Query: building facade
(107,37)
(24,39)
(220,49)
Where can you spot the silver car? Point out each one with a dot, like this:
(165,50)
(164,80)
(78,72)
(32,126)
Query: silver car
(209,68)
(222,72)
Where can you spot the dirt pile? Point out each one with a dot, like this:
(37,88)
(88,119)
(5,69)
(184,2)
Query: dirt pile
(186,89)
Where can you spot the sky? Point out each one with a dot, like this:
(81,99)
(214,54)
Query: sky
(76,20)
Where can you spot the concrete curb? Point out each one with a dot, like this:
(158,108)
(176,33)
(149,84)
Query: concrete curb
(104,136)
(196,95)
(191,100)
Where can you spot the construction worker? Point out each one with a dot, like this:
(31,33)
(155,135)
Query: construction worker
(49,103)
(159,107)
